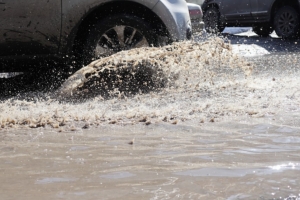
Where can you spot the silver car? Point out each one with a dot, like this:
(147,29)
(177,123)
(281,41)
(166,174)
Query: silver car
(84,30)
(196,16)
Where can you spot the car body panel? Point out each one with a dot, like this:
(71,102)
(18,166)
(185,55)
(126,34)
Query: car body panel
(33,29)
(196,16)
(28,29)
(180,15)
(234,9)
(261,10)
(245,12)
(198,2)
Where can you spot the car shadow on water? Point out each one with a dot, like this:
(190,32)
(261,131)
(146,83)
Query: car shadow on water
(32,84)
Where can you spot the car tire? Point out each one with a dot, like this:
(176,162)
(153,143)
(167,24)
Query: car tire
(286,22)
(263,31)
(116,33)
(212,20)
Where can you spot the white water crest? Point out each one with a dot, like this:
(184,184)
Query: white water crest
(187,81)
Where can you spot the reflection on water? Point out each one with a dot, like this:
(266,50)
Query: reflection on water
(117,175)
(239,172)
(54,180)
(212,161)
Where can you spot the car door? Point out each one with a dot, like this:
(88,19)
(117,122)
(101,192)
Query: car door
(29,27)
(235,11)
(261,9)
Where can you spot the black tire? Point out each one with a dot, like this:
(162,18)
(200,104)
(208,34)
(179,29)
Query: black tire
(263,30)
(212,20)
(286,22)
(104,37)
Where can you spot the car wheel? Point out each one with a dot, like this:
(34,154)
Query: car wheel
(286,22)
(117,33)
(263,31)
(212,21)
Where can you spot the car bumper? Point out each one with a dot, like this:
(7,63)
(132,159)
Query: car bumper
(196,16)
(175,17)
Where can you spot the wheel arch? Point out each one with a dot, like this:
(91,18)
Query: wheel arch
(114,8)
(280,3)
(209,4)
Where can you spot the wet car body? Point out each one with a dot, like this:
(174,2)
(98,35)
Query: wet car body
(54,29)
(263,16)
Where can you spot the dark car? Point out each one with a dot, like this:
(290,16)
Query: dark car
(264,16)
(86,29)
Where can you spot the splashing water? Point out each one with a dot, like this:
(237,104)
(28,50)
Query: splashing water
(187,81)
(149,69)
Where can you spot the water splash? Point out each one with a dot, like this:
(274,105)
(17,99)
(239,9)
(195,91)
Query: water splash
(187,81)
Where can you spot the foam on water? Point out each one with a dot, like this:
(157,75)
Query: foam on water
(149,69)
(194,81)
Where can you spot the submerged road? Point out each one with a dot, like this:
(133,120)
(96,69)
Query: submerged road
(233,137)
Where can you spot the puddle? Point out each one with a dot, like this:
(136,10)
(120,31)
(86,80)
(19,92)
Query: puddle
(55,180)
(117,175)
(188,163)
(79,148)
(229,172)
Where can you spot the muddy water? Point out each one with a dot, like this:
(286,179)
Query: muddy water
(242,159)
(231,136)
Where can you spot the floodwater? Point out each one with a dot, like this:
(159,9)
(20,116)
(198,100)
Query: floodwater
(242,159)
(214,133)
